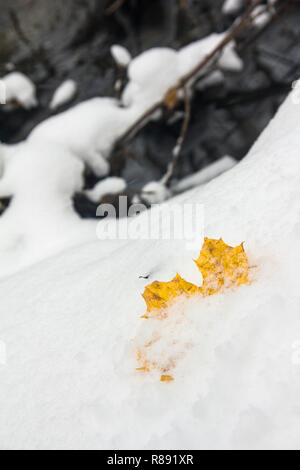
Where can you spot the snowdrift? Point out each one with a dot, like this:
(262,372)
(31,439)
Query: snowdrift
(70,326)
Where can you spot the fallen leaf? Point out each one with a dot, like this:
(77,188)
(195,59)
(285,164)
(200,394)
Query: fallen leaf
(222,267)
(171,98)
(158,295)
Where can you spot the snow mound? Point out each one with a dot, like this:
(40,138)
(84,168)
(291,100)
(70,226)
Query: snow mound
(40,220)
(67,325)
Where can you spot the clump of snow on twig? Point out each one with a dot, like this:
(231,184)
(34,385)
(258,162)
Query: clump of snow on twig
(20,89)
(64,94)
(154,192)
(230,7)
(121,55)
(109,186)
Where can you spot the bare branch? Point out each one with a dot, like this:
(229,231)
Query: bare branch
(241,24)
(17,26)
(114,7)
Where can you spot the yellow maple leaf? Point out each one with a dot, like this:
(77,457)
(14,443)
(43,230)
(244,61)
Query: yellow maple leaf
(159,294)
(222,267)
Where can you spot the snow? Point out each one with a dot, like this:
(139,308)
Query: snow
(151,74)
(71,323)
(260,16)
(205,175)
(154,192)
(121,55)
(88,130)
(213,79)
(230,7)
(112,185)
(230,60)
(155,71)
(64,94)
(21,89)
(195,52)
(40,220)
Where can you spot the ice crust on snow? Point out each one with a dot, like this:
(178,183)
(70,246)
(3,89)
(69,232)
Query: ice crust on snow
(70,379)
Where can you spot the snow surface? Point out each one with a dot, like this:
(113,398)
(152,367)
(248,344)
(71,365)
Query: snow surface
(21,89)
(71,325)
(64,94)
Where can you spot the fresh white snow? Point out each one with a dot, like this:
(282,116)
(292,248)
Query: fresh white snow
(205,175)
(112,185)
(230,7)
(71,323)
(155,71)
(154,192)
(121,55)
(88,130)
(21,89)
(64,94)
(261,17)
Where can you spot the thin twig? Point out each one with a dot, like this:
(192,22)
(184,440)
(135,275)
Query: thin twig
(276,16)
(17,26)
(238,27)
(177,149)
(114,7)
